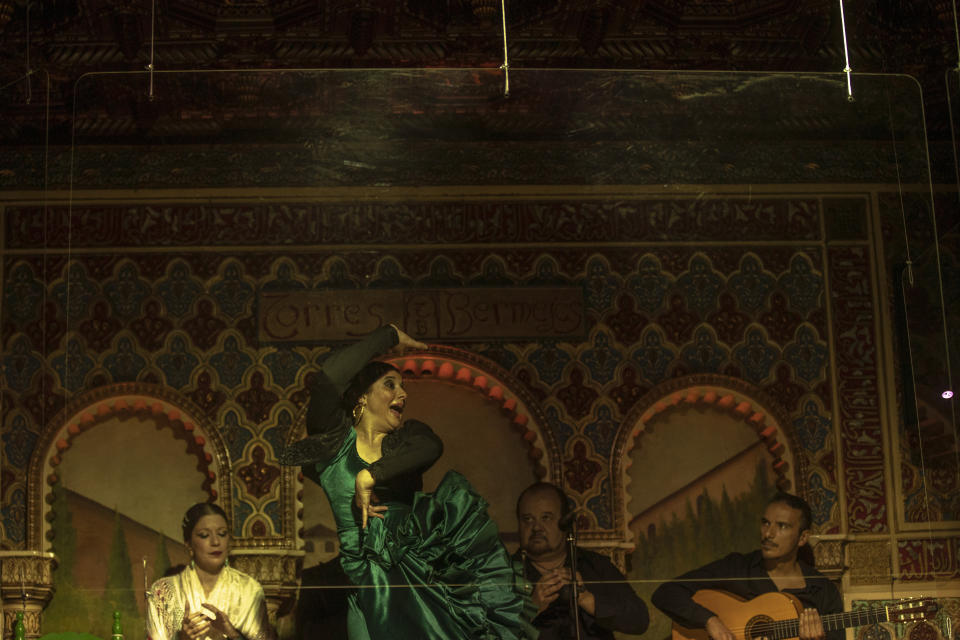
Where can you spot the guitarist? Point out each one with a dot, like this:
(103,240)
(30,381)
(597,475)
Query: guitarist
(784,529)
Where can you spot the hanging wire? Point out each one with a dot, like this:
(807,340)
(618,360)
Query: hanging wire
(46,218)
(903,213)
(153,42)
(66,310)
(946,338)
(910,278)
(29,87)
(943,314)
(903,293)
(956,173)
(956,33)
(506,58)
(936,237)
(846,54)
(953,133)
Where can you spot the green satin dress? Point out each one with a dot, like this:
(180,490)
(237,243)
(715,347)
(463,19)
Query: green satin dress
(433,567)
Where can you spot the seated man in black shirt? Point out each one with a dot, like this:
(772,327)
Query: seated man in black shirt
(775,567)
(606,602)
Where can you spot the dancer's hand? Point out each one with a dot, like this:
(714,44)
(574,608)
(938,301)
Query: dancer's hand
(366,499)
(222,623)
(194,625)
(406,342)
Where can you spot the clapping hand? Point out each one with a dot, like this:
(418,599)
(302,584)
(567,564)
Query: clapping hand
(195,625)
(547,589)
(221,623)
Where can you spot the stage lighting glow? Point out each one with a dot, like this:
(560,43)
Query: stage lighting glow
(946,395)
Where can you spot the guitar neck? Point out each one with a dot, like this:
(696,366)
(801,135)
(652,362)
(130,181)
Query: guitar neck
(833,621)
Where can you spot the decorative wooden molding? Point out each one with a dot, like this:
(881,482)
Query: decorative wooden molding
(278,571)
(26,584)
(869,562)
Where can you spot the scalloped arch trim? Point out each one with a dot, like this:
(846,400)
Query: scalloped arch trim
(447,369)
(124,401)
(132,406)
(729,397)
(745,409)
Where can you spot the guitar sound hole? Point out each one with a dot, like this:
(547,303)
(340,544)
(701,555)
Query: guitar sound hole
(759,627)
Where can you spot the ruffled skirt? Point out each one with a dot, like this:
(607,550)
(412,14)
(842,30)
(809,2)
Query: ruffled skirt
(435,569)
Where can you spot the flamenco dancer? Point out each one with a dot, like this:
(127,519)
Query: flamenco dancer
(425,565)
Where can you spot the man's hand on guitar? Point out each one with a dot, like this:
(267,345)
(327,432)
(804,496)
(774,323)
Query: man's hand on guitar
(718,631)
(811,626)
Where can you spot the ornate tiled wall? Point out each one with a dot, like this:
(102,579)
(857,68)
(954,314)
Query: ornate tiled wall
(772,291)
(178,311)
(858,385)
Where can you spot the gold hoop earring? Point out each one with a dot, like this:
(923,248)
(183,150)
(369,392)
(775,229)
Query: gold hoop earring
(358,412)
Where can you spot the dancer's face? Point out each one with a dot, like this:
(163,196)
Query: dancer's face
(210,543)
(385,400)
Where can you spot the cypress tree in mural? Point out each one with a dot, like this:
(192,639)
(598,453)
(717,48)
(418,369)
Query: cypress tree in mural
(688,534)
(762,491)
(69,610)
(161,559)
(708,542)
(707,533)
(723,538)
(120,595)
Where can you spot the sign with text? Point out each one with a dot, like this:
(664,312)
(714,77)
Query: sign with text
(467,314)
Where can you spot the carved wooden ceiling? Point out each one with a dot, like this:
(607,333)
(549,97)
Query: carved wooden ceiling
(65,39)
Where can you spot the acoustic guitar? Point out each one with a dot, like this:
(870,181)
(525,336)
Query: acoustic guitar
(774,615)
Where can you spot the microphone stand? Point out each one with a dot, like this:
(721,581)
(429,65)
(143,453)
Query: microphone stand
(574,583)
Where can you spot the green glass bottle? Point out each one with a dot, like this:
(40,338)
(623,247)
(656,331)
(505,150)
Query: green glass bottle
(117,629)
(19,631)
